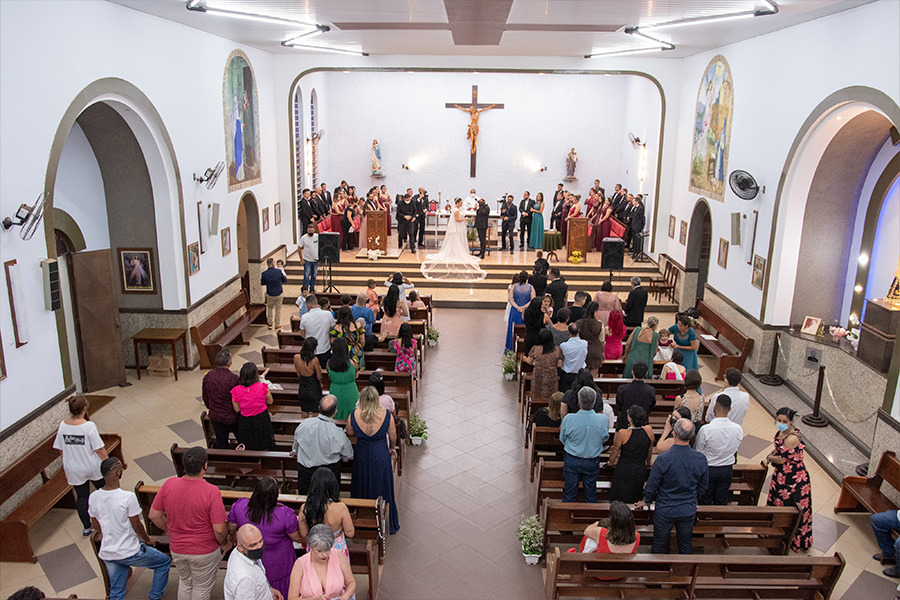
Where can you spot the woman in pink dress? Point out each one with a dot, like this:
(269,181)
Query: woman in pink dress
(384,203)
(615,333)
(323,572)
(592,213)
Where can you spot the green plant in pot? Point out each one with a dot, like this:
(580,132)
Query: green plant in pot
(531,535)
(509,364)
(432,335)
(418,429)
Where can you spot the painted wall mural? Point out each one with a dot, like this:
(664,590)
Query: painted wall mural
(241,109)
(712,130)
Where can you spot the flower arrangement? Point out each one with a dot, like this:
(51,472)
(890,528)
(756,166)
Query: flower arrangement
(374,254)
(418,428)
(531,534)
(851,333)
(575,257)
(508,363)
(432,335)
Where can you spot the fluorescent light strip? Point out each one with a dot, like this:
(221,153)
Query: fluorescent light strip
(291,41)
(324,48)
(664,44)
(623,52)
(701,20)
(196,6)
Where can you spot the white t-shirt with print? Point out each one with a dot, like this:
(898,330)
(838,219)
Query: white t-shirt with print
(79,444)
(112,508)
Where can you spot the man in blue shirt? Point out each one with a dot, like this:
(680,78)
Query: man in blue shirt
(274,280)
(583,435)
(677,480)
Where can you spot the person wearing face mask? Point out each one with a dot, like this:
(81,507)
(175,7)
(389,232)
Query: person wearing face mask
(245,578)
(790,480)
(309,258)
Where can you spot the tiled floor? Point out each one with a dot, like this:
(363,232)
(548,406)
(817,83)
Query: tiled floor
(460,498)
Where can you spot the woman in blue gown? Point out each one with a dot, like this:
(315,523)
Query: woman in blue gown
(536,241)
(686,340)
(520,294)
(376,436)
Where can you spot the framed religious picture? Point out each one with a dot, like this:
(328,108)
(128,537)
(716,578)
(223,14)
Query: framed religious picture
(277,211)
(265,218)
(672,226)
(759,271)
(226,241)
(723,253)
(194,257)
(682,235)
(138,270)
(810,325)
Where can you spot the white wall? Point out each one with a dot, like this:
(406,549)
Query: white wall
(79,190)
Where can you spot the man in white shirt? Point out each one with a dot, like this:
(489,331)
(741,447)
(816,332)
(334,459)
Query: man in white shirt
(718,441)
(574,352)
(740,400)
(309,258)
(317,323)
(245,578)
(470,202)
(116,517)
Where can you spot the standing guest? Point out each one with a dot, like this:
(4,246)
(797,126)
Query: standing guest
(305,211)
(336,217)
(637,227)
(686,340)
(345,327)
(615,333)
(309,390)
(791,485)
(361,311)
(641,346)
(317,323)
(274,280)
(278,527)
(518,296)
(190,510)
(246,576)
(583,435)
(538,280)
(677,480)
(124,543)
(607,301)
(692,399)
(578,305)
(604,223)
(560,329)
(549,416)
(351,213)
(82,451)
(637,393)
(406,222)
(540,263)
(740,400)
(482,221)
(667,437)
(630,455)
(635,304)
(323,505)
(395,312)
(592,330)
(217,386)
(620,538)
(376,380)
(508,223)
(545,357)
(309,258)
(559,198)
(406,349)
(250,397)
(324,572)
(525,216)
(557,289)
(536,240)
(342,374)
(376,437)
(535,318)
(719,442)
(371,296)
(402,282)
(318,442)
(422,207)
(882,524)
(574,351)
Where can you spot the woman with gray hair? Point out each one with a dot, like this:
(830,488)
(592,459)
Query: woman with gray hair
(324,571)
(642,346)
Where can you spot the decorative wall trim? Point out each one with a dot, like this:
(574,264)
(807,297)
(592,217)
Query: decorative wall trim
(744,313)
(268,256)
(37,412)
(181,311)
(886,418)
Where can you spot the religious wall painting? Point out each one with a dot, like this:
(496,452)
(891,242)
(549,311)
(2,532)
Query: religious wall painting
(759,271)
(723,253)
(265,218)
(682,235)
(194,258)
(712,130)
(277,211)
(138,271)
(672,226)
(226,241)
(241,108)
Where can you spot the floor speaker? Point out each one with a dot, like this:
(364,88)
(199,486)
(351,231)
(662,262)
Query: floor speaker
(613,253)
(329,247)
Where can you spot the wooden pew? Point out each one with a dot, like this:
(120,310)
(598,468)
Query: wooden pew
(293,340)
(54,492)
(716,528)
(575,575)
(243,314)
(284,359)
(861,494)
(285,376)
(724,330)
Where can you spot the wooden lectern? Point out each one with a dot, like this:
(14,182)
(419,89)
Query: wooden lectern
(376,230)
(577,236)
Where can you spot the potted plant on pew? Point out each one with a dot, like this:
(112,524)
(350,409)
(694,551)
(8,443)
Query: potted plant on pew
(432,336)
(531,534)
(509,364)
(418,429)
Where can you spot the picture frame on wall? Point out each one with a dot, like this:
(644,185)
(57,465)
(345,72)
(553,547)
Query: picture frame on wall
(277,211)
(226,241)
(682,235)
(265,218)
(672,226)
(759,271)
(810,325)
(138,270)
(194,257)
(723,253)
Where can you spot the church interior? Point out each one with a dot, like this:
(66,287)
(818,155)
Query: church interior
(155,155)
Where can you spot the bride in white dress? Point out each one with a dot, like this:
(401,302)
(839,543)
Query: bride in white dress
(453,262)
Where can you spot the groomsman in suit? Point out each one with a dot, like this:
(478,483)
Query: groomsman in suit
(638,221)
(482,215)
(305,211)
(616,197)
(421,200)
(508,219)
(326,196)
(559,199)
(626,213)
(525,219)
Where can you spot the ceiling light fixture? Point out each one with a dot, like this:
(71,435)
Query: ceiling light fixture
(290,44)
(316,31)
(771,9)
(200,6)
(624,52)
(663,44)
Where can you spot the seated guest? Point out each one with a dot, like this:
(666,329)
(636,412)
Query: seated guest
(674,369)
(620,538)
(740,400)
(406,349)
(371,296)
(545,358)
(245,577)
(549,416)
(665,346)
(882,524)
(667,437)
(395,313)
(615,333)
(413,300)
(635,304)
(691,398)
(361,311)
(217,386)
(583,435)
(309,390)
(278,525)
(570,398)
(318,442)
(249,398)
(574,352)
(718,442)
(637,393)
(376,380)
(607,301)
(579,302)
(630,455)
(336,579)
(560,329)
(323,505)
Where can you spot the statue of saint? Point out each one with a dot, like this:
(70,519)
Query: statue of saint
(472,133)
(376,158)
(571,161)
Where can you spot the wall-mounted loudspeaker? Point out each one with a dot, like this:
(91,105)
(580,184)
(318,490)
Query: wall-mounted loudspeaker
(50,271)
(613,253)
(329,247)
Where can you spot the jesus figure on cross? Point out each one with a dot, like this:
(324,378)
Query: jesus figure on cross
(472,133)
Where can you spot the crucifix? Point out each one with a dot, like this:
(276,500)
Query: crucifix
(474,109)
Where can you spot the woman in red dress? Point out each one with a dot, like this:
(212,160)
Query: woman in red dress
(338,207)
(790,479)
(621,537)
(574,211)
(604,222)
(592,213)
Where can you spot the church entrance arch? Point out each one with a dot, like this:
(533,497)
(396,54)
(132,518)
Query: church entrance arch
(699,244)
(247,238)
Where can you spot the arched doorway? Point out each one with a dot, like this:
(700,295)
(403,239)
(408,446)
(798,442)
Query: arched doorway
(247,239)
(699,244)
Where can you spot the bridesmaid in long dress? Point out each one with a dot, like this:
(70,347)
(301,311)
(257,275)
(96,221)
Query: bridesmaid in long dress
(574,211)
(629,455)
(384,203)
(564,216)
(337,213)
(376,436)
(536,239)
(520,295)
(790,480)
(592,213)
(642,347)
(605,223)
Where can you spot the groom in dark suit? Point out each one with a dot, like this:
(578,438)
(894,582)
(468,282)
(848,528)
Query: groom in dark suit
(525,219)
(508,219)
(559,198)
(481,223)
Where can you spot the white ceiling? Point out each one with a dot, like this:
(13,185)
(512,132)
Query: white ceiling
(491,27)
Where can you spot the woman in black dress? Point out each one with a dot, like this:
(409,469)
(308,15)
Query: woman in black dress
(630,455)
(309,392)
(534,322)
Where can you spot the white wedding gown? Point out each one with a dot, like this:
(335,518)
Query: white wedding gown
(453,262)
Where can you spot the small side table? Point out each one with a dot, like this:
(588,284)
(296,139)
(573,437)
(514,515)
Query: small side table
(151,335)
(552,242)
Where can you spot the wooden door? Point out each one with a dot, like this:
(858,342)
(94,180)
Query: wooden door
(93,280)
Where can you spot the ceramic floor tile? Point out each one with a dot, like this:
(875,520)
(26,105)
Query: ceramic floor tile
(752,445)
(190,431)
(66,567)
(868,586)
(826,532)
(157,466)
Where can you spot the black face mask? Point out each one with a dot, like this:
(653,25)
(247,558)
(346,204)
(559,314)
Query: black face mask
(255,554)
